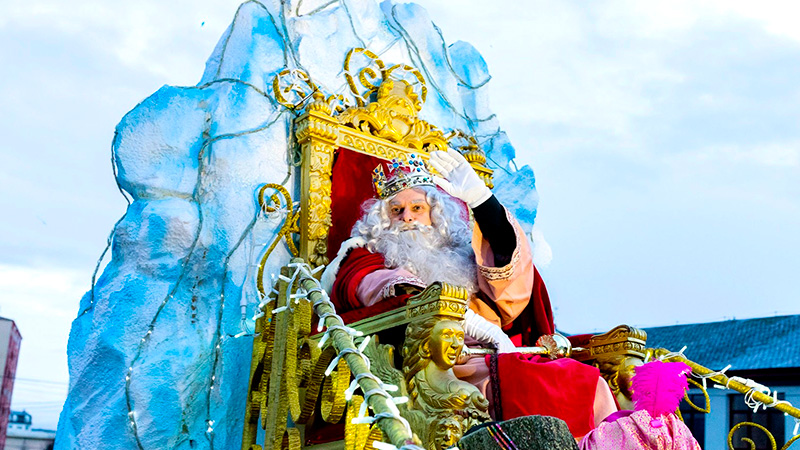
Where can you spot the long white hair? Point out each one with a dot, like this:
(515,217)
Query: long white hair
(440,252)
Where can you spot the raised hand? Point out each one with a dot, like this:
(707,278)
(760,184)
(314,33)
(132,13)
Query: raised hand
(460,180)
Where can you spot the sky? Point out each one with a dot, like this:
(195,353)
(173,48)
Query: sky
(665,139)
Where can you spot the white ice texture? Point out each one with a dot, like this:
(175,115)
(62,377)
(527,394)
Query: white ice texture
(191,159)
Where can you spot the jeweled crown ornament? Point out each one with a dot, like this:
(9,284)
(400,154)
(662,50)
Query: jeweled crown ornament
(402,175)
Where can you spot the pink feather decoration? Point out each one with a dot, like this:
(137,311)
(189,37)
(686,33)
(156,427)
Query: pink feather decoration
(658,387)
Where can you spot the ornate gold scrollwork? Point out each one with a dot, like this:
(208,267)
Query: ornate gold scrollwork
(393,116)
(748,440)
(333,402)
(616,353)
(707,408)
(281,357)
(317,133)
(374,73)
(292,87)
(367,75)
(439,299)
(790,442)
(272,204)
(359,436)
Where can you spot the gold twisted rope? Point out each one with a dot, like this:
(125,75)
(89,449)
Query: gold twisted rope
(289,226)
(366,75)
(748,440)
(790,442)
(369,77)
(730,383)
(281,85)
(707,408)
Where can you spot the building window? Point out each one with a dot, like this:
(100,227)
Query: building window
(694,419)
(771,419)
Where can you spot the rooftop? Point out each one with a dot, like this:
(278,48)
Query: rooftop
(750,344)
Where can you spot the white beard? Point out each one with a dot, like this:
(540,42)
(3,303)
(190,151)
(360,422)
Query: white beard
(427,254)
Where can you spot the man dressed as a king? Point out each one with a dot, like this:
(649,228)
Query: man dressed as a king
(414,234)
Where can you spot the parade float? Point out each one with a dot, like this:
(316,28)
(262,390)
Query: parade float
(209,328)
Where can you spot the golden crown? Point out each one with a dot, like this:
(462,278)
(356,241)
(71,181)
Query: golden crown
(402,175)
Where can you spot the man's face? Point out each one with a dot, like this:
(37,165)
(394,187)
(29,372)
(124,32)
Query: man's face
(410,206)
(447,340)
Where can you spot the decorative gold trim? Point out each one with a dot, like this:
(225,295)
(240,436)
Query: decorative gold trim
(365,143)
(393,116)
(317,134)
(623,340)
(790,442)
(291,87)
(707,408)
(368,77)
(332,404)
(473,153)
(438,299)
(748,440)
(733,383)
(289,226)
(616,353)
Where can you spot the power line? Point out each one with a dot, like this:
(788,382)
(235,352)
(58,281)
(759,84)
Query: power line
(34,380)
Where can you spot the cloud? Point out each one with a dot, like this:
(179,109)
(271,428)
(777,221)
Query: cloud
(146,35)
(776,154)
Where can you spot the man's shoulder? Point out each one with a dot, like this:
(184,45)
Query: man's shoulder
(347,247)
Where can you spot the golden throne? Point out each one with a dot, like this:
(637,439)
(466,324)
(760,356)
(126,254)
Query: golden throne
(302,381)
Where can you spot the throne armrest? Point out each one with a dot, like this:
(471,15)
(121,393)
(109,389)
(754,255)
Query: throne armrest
(437,299)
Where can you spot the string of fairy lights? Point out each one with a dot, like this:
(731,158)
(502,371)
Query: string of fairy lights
(333,323)
(204,158)
(752,386)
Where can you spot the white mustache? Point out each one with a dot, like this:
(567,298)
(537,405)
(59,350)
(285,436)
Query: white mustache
(410,226)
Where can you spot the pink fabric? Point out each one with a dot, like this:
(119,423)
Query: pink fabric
(508,287)
(634,432)
(604,403)
(373,286)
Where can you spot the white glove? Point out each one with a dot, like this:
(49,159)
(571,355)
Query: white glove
(484,331)
(460,180)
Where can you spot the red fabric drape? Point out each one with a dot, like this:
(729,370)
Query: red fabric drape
(563,388)
(351,185)
(358,264)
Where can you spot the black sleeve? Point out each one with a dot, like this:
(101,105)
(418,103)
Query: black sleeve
(492,220)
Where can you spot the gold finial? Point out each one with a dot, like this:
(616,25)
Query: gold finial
(439,299)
